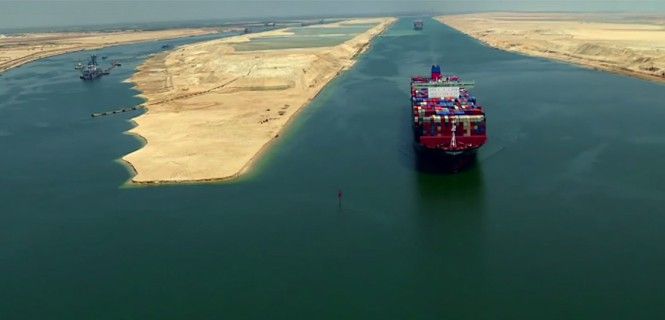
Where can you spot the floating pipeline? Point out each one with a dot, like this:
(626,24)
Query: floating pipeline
(447,119)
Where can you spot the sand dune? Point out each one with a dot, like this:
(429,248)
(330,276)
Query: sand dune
(212,109)
(18,50)
(632,45)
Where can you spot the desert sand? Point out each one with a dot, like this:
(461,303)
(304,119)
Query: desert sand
(632,45)
(212,109)
(21,49)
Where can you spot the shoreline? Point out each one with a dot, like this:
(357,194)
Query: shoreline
(495,35)
(258,154)
(13,53)
(246,168)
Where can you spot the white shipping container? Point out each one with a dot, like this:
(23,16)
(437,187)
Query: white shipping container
(443,92)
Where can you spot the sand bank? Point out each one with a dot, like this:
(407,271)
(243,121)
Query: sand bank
(21,49)
(212,110)
(632,45)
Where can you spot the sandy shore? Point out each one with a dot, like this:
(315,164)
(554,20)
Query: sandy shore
(212,109)
(18,50)
(632,45)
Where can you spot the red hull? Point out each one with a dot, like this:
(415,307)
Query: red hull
(463,144)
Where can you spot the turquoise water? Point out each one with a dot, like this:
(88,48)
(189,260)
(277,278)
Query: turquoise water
(562,217)
(309,37)
(349,29)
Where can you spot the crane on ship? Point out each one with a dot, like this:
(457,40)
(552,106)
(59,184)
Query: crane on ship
(92,70)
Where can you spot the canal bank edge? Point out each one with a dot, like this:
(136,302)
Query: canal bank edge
(343,55)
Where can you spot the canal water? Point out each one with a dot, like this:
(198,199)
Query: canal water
(561,217)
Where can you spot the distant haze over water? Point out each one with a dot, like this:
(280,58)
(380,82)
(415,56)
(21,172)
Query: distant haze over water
(27,14)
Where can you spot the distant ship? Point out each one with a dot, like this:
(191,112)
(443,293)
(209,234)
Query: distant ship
(418,25)
(92,71)
(447,120)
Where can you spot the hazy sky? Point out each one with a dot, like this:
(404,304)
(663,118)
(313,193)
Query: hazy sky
(15,14)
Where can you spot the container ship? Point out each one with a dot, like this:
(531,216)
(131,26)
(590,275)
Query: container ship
(447,120)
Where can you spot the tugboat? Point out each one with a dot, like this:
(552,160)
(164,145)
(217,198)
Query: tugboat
(418,25)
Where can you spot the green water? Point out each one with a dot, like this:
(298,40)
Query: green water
(562,217)
(309,37)
(344,29)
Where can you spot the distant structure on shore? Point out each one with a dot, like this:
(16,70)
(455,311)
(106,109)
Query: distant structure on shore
(418,25)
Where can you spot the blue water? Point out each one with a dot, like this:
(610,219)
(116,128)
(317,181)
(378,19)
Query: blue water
(561,217)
